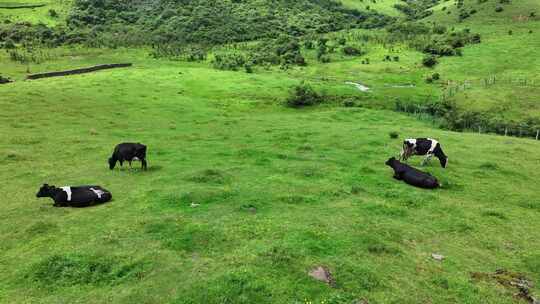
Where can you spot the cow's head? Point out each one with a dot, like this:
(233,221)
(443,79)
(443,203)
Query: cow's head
(112,163)
(390,162)
(44,191)
(444,161)
(409,144)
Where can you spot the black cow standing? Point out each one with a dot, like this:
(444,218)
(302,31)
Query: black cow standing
(423,146)
(80,196)
(411,175)
(128,152)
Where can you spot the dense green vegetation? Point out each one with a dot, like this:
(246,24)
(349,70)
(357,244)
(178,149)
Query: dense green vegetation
(268,125)
(216,22)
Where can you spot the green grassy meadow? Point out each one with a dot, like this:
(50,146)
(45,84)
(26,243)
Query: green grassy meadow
(244,196)
(509,52)
(279,191)
(35,15)
(382,6)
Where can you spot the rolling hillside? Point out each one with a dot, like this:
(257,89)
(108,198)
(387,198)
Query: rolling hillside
(508,57)
(381,6)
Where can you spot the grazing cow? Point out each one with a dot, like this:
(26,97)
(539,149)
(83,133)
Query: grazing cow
(128,152)
(423,146)
(80,196)
(411,175)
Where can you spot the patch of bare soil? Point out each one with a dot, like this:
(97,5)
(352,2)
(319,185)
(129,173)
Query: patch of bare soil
(510,280)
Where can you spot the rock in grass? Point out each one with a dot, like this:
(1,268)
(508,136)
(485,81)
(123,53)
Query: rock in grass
(322,274)
(437,257)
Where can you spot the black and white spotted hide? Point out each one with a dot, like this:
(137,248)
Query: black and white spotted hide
(427,147)
(78,197)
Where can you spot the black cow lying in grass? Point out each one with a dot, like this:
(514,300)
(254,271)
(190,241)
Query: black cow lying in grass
(411,175)
(128,152)
(81,196)
(423,146)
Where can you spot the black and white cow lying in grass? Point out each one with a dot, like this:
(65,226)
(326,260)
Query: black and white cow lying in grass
(80,196)
(411,175)
(128,152)
(423,146)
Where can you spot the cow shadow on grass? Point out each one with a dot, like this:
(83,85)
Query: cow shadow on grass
(139,170)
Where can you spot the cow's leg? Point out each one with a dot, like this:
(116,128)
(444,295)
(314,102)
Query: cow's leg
(407,152)
(144,165)
(427,159)
(402,155)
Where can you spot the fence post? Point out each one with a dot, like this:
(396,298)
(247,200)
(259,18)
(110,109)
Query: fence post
(537,134)
(506,131)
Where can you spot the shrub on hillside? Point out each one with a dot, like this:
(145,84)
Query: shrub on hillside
(499,9)
(439,49)
(408,28)
(439,29)
(351,51)
(324,59)
(228,61)
(4,80)
(463,14)
(429,61)
(53,13)
(433,77)
(303,95)
(8,44)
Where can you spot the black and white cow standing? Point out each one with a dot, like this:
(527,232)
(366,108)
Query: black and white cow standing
(80,196)
(128,152)
(423,146)
(411,175)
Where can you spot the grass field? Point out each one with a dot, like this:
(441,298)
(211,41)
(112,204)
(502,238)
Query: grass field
(510,52)
(383,6)
(37,14)
(244,196)
(280,192)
